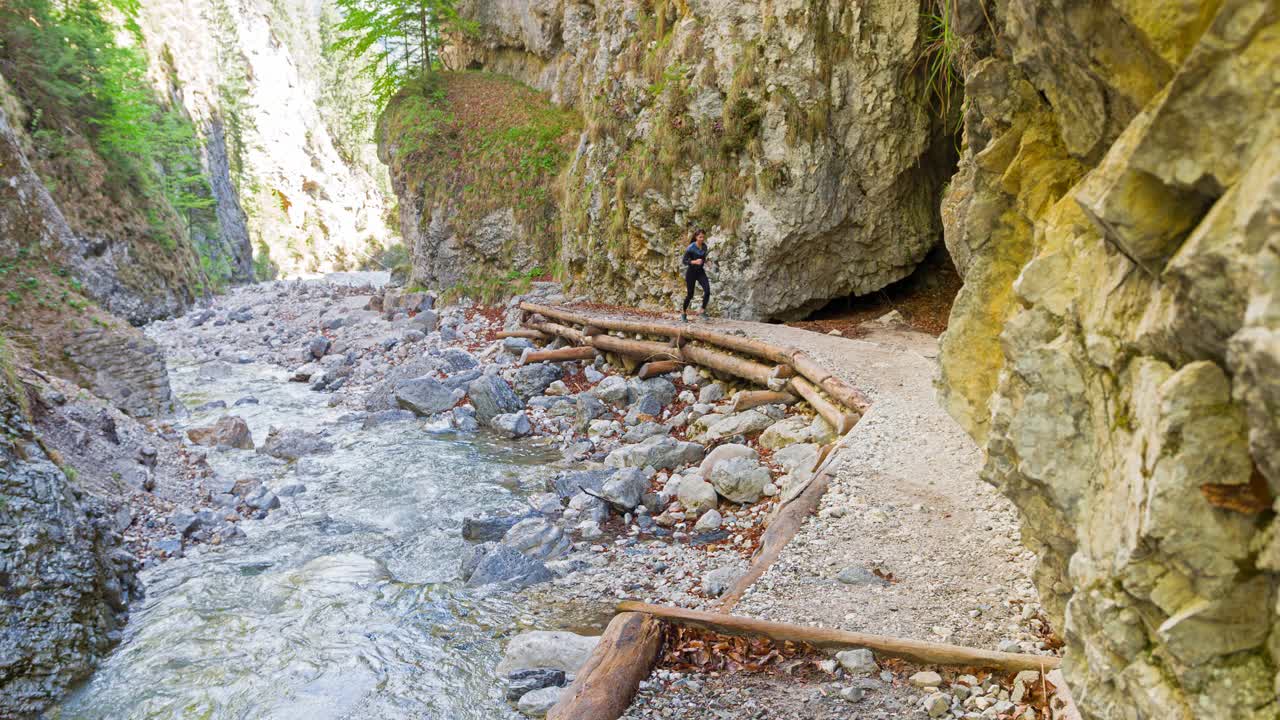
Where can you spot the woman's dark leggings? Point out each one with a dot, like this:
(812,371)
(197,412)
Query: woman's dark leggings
(696,276)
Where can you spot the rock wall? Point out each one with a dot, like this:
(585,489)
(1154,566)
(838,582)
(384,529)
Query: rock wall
(1116,345)
(67,580)
(255,76)
(800,133)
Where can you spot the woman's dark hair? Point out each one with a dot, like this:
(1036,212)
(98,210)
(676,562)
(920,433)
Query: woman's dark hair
(695,232)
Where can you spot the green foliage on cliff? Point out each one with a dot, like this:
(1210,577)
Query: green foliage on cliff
(395,41)
(119,159)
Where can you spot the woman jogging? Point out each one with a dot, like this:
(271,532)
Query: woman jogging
(695,272)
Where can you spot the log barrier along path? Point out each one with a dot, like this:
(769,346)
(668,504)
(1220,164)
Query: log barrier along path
(606,684)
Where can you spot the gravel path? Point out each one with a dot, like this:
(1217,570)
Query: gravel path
(908,542)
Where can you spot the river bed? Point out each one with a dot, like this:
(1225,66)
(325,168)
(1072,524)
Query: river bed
(345,602)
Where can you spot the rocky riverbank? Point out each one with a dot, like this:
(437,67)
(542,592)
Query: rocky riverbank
(660,493)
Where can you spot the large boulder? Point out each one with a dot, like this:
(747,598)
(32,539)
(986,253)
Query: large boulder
(512,425)
(743,423)
(740,479)
(293,443)
(722,453)
(503,564)
(556,650)
(625,488)
(426,396)
(230,431)
(660,453)
(538,537)
(532,380)
(568,484)
(492,396)
(696,495)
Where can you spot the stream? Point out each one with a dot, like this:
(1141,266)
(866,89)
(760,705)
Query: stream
(345,602)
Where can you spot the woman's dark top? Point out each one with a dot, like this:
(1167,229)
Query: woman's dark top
(693,252)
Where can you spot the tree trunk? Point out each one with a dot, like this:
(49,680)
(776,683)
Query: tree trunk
(608,681)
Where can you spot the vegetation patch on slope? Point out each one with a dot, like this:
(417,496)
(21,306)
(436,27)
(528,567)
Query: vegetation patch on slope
(469,144)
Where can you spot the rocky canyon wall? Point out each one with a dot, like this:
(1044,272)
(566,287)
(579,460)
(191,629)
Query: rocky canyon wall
(1116,345)
(800,133)
(287,133)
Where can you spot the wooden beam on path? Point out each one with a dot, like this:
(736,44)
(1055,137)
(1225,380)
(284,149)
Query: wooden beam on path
(642,349)
(561,355)
(568,333)
(529,333)
(841,391)
(748,399)
(781,529)
(921,651)
(608,681)
(659,367)
(841,420)
(726,363)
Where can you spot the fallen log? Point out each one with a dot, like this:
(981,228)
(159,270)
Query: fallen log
(840,420)
(560,355)
(726,363)
(842,392)
(748,399)
(642,349)
(659,367)
(780,531)
(530,334)
(921,651)
(608,681)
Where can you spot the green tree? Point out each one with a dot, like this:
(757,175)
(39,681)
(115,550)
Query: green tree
(396,41)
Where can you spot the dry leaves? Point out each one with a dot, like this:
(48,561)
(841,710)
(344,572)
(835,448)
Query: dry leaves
(687,649)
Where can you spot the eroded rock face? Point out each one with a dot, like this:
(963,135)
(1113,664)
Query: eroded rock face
(1116,216)
(67,580)
(795,132)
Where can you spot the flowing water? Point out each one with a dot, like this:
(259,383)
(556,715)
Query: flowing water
(344,603)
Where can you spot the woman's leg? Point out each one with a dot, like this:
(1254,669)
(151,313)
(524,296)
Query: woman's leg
(706,290)
(689,282)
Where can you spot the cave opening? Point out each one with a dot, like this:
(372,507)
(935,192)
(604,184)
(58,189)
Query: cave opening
(923,299)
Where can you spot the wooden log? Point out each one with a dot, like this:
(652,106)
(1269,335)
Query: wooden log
(748,399)
(641,349)
(659,367)
(841,420)
(784,372)
(530,334)
(780,531)
(726,363)
(568,333)
(590,330)
(921,651)
(608,681)
(842,392)
(560,355)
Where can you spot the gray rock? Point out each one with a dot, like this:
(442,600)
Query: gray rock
(525,681)
(625,488)
(492,396)
(648,405)
(512,425)
(709,521)
(659,453)
(661,390)
(539,702)
(556,650)
(516,345)
(211,405)
(293,443)
(318,346)
(712,393)
(569,484)
(740,479)
(589,507)
(722,453)
(696,495)
(612,390)
(503,564)
(262,499)
(858,575)
(425,396)
(858,662)
(532,380)
(230,431)
(292,489)
(717,582)
(588,408)
(484,528)
(457,359)
(644,431)
(426,321)
(537,537)
(463,419)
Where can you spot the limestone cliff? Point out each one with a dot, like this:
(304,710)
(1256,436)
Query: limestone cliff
(1116,345)
(289,147)
(800,133)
